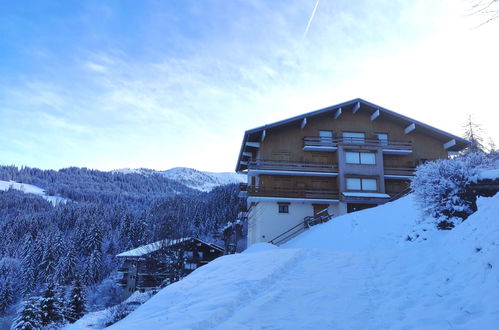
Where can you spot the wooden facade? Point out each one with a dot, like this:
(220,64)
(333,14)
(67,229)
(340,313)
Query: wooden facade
(355,153)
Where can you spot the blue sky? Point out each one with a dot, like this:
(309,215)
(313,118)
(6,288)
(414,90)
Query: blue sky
(159,84)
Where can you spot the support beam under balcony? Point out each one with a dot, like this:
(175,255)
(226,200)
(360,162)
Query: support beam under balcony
(410,128)
(337,113)
(375,115)
(304,123)
(264,134)
(449,144)
(253,144)
(356,107)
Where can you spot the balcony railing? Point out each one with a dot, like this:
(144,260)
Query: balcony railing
(399,171)
(293,192)
(310,142)
(278,165)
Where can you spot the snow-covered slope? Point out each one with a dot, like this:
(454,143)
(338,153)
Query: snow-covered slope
(31,189)
(358,271)
(203,181)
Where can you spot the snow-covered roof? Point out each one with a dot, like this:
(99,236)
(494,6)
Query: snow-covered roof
(152,247)
(363,194)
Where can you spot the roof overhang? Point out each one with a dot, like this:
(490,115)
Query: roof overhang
(253,137)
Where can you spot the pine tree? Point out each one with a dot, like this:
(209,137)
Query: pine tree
(60,302)
(473,132)
(29,264)
(93,267)
(66,267)
(49,308)
(29,317)
(76,306)
(6,295)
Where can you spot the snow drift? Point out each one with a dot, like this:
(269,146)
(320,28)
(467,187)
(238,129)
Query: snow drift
(358,271)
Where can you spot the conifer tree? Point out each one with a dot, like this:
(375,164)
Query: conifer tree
(29,317)
(49,308)
(75,308)
(60,302)
(473,132)
(6,295)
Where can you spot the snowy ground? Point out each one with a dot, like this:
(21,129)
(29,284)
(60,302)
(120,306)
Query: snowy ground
(31,189)
(358,271)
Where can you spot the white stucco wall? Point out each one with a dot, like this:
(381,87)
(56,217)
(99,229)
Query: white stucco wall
(265,222)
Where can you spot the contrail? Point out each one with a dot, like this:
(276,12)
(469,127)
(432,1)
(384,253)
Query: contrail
(310,19)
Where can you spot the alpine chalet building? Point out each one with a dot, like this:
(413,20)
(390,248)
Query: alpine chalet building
(329,162)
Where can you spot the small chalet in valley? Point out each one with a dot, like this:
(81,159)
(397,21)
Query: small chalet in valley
(328,162)
(160,263)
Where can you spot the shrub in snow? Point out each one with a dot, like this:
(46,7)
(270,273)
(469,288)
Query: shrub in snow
(440,188)
(103,295)
(121,310)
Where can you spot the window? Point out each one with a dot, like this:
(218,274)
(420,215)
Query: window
(190,266)
(353,137)
(283,207)
(326,136)
(354,157)
(353,184)
(383,138)
(362,184)
(369,184)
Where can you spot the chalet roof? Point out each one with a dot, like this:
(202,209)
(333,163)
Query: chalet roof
(152,247)
(255,135)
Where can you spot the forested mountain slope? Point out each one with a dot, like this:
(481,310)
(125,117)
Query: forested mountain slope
(105,213)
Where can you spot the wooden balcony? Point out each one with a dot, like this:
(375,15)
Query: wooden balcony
(278,167)
(399,172)
(293,193)
(317,143)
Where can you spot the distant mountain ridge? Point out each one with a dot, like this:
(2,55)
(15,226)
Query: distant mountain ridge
(192,178)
